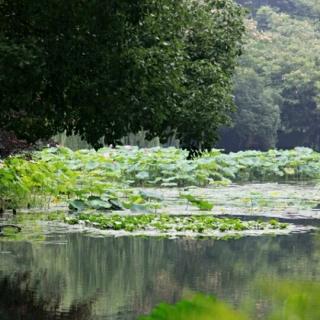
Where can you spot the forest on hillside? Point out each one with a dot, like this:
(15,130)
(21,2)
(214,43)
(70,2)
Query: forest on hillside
(277,82)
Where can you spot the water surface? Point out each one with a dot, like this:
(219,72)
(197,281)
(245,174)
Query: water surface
(79,276)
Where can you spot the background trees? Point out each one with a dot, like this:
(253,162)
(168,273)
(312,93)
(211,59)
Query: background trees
(257,120)
(300,8)
(278,77)
(104,69)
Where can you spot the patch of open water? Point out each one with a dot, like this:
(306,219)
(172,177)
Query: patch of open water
(77,276)
(276,200)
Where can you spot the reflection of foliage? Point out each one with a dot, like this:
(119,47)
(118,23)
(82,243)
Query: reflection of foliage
(32,230)
(132,275)
(19,301)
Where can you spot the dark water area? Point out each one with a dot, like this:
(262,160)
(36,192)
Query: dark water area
(76,276)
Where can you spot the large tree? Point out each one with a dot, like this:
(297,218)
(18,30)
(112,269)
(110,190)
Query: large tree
(106,68)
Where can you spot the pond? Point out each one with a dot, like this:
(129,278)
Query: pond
(55,271)
(81,276)
(111,234)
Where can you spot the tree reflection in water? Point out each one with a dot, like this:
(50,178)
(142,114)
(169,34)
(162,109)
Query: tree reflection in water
(18,301)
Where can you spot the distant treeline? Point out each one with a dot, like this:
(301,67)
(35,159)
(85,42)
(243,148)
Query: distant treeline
(302,8)
(277,84)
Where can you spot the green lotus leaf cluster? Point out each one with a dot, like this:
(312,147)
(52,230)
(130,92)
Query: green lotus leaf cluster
(59,174)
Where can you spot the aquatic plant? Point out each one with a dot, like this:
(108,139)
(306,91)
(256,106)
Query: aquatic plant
(165,223)
(58,174)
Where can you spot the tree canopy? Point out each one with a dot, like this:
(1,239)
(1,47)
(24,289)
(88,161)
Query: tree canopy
(102,69)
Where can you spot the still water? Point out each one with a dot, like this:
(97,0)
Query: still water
(77,276)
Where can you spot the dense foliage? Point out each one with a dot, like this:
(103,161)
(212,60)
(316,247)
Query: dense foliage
(104,69)
(278,80)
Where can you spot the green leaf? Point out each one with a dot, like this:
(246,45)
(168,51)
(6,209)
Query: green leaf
(116,205)
(98,203)
(77,205)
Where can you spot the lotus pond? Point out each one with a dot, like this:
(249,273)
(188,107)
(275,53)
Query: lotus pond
(109,234)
